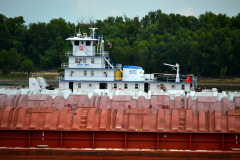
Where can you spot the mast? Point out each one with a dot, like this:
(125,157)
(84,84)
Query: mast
(93,31)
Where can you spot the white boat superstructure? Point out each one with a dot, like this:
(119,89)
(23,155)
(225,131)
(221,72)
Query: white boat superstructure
(90,68)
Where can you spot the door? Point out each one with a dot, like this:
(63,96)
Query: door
(71,86)
(102,85)
(146,87)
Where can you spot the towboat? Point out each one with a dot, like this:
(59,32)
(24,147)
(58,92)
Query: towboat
(90,68)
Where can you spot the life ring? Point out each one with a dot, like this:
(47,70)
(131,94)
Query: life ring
(81,47)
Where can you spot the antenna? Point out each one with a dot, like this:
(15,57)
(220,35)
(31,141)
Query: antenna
(75,31)
(93,31)
(79,33)
(174,67)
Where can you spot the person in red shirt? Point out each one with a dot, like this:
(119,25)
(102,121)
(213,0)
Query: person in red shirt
(188,79)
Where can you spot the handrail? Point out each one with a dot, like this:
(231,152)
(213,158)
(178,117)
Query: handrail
(103,53)
(107,60)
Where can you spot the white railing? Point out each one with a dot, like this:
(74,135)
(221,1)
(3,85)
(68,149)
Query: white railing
(103,53)
(68,53)
(119,66)
(149,77)
(65,65)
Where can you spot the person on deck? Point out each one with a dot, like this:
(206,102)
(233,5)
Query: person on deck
(188,79)
(164,88)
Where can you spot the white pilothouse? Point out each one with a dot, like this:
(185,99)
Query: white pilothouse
(89,67)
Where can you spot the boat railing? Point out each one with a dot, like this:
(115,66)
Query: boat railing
(103,53)
(149,77)
(118,66)
(68,53)
(182,79)
(85,36)
(65,65)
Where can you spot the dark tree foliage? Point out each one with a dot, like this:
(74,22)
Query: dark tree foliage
(206,46)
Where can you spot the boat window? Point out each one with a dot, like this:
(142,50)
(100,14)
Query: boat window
(79,85)
(136,86)
(125,86)
(115,85)
(76,43)
(78,60)
(92,72)
(84,60)
(173,86)
(161,86)
(158,86)
(88,43)
(94,43)
(183,87)
(92,60)
(85,72)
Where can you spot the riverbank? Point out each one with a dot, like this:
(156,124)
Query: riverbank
(20,80)
(219,81)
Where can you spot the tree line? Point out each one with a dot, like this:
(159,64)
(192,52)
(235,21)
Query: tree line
(206,46)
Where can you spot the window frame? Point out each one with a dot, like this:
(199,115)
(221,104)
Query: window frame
(92,72)
(92,60)
(88,43)
(84,60)
(76,44)
(85,72)
(136,86)
(125,86)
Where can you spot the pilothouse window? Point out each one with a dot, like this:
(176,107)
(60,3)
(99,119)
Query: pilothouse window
(76,43)
(88,43)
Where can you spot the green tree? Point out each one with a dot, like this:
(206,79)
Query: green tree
(27,66)
(4,61)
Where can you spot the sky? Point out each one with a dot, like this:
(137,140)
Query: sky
(34,11)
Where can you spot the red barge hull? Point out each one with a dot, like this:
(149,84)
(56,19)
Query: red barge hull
(63,153)
(116,145)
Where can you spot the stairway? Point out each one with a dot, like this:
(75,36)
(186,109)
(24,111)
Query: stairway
(182,119)
(83,122)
